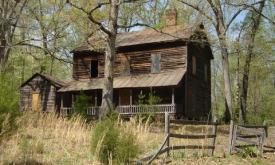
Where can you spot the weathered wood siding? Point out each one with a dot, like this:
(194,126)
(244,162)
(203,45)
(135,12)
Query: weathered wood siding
(46,90)
(171,58)
(133,61)
(198,88)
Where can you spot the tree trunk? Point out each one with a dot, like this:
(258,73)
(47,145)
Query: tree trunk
(4,47)
(107,93)
(256,17)
(226,75)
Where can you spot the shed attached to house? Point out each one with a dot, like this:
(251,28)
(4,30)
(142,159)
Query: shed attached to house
(39,93)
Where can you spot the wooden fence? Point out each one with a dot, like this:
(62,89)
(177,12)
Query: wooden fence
(166,145)
(242,136)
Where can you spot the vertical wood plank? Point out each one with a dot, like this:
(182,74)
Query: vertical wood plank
(72,100)
(131,97)
(214,132)
(167,131)
(173,96)
(230,136)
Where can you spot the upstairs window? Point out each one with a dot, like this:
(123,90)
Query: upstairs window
(94,68)
(194,65)
(125,62)
(155,63)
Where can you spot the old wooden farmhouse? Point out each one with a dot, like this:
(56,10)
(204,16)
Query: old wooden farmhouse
(172,63)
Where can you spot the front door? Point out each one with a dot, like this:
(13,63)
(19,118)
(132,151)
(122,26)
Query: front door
(36,99)
(124,96)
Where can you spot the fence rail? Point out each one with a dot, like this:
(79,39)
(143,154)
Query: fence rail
(250,135)
(166,147)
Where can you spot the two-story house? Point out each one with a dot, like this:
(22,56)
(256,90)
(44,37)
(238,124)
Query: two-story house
(172,63)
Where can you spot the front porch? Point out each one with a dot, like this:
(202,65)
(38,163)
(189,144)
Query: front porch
(127,101)
(127,110)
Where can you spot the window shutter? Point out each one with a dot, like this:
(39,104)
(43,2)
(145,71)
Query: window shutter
(155,63)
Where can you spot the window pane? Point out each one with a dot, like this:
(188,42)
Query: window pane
(94,68)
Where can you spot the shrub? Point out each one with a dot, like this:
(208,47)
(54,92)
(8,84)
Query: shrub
(8,105)
(7,122)
(146,103)
(81,104)
(111,143)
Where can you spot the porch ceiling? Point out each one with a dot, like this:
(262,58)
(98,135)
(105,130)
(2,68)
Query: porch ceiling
(169,78)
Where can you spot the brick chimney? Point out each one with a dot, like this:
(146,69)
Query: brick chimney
(171,17)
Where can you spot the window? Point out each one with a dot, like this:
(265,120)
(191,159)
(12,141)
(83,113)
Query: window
(194,65)
(155,63)
(125,62)
(94,68)
(205,72)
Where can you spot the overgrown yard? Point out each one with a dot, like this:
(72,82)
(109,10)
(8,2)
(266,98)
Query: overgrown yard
(46,139)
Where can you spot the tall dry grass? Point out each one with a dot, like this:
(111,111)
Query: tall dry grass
(49,139)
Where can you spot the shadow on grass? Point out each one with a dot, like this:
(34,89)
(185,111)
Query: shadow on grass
(27,162)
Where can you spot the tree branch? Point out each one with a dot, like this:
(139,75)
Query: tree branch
(49,52)
(90,15)
(199,10)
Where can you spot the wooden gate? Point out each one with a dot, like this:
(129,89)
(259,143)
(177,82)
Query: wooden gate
(242,136)
(166,146)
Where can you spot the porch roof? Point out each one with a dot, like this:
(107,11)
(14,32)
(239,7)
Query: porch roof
(169,78)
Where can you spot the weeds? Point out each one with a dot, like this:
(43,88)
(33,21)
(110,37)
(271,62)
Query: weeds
(111,143)
(249,152)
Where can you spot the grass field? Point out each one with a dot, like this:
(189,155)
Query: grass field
(46,139)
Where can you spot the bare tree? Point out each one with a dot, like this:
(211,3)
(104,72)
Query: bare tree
(10,11)
(255,23)
(221,23)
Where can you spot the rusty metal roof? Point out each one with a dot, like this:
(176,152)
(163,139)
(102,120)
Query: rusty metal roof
(149,35)
(169,78)
(146,36)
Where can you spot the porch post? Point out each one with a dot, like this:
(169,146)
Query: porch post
(131,97)
(62,101)
(173,96)
(119,97)
(61,112)
(96,98)
(72,100)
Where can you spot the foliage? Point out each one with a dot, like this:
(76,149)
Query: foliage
(82,102)
(146,101)
(249,152)
(110,143)
(8,105)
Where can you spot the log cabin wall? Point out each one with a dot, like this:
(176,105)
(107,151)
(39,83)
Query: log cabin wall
(198,83)
(40,86)
(133,60)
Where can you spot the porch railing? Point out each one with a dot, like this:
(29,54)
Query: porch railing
(91,111)
(127,109)
(140,109)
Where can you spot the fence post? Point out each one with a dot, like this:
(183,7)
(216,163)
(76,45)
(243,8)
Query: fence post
(214,132)
(231,130)
(167,131)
